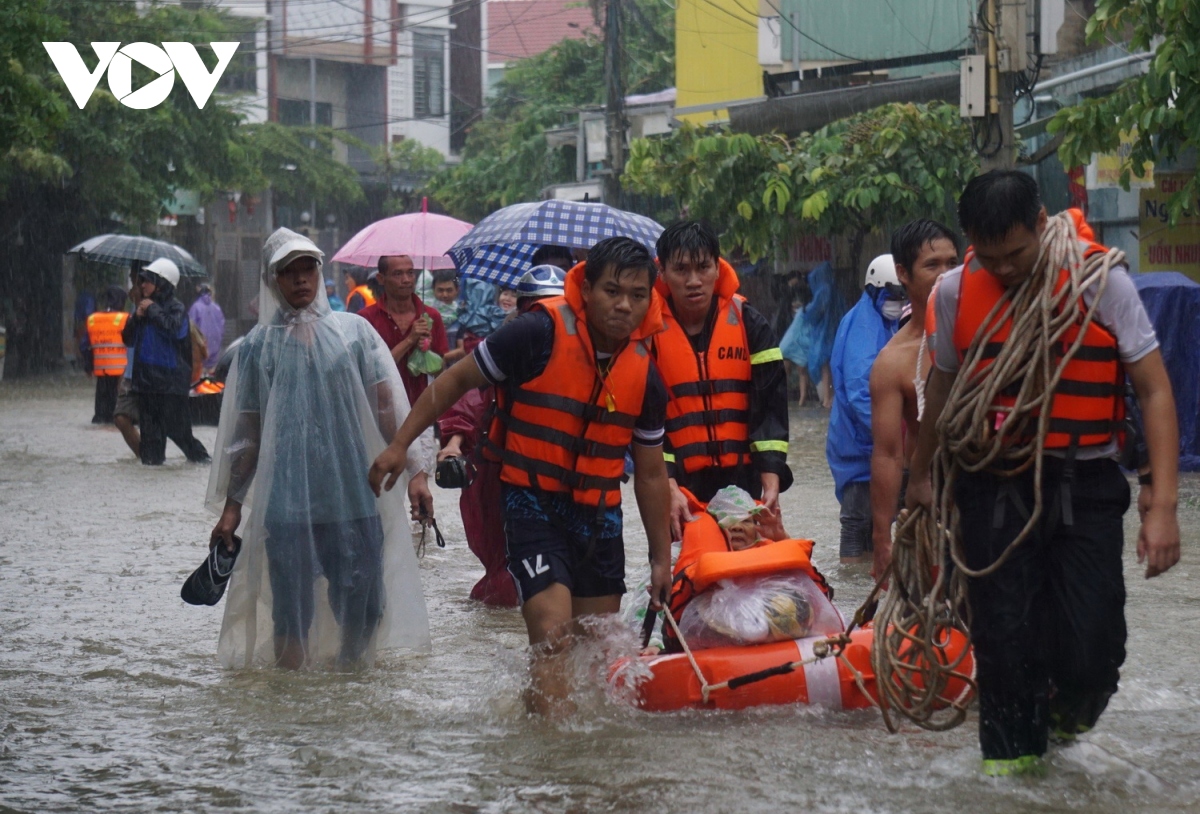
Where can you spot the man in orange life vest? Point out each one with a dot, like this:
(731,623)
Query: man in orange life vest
(358,294)
(108,352)
(575,386)
(922,250)
(1048,625)
(727,419)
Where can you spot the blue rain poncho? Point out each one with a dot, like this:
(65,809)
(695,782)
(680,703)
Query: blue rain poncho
(480,314)
(822,316)
(797,341)
(861,335)
(311,396)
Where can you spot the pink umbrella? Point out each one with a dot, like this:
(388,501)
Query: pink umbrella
(422,236)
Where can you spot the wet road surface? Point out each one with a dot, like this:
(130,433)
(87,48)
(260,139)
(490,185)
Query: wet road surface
(111,698)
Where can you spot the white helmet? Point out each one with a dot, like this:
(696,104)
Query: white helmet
(882,272)
(542,281)
(166,269)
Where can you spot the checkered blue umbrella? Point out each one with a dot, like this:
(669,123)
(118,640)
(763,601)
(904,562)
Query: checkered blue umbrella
(500,247)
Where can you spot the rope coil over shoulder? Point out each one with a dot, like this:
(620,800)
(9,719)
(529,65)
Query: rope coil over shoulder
(927,600)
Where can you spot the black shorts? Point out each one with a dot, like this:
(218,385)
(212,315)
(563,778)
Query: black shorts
(540,554)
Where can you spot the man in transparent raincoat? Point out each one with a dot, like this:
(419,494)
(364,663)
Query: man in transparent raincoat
(326,571)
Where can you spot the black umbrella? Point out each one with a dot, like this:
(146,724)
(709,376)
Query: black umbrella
(120,250)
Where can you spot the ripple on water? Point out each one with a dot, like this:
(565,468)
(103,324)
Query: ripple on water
(111,698)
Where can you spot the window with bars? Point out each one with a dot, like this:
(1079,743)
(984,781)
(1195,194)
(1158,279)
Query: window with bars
(429,75)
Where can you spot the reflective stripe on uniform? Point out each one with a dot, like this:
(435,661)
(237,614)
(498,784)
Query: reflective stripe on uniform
(768,355)
(769,446)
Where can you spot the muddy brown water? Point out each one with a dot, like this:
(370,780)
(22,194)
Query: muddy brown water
(111,698)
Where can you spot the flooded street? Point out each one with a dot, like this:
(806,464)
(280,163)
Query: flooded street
(111,697)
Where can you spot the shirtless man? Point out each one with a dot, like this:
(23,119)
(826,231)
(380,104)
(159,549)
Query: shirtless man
(923,250)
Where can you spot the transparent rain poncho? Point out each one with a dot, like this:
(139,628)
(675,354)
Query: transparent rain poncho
(310,399)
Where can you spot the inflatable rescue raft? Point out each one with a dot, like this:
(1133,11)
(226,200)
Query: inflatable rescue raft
(759,623)
(829,682)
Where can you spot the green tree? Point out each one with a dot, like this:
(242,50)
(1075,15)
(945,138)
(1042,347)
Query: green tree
(850,178)
(1162,107)
(405,169)
(506,159)
(67,173)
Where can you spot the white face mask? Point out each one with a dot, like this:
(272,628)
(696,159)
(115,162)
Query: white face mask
(892,309)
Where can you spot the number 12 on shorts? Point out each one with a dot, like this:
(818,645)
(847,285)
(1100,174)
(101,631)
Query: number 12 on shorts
(535,568)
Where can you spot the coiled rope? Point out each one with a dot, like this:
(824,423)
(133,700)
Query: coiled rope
(926,598)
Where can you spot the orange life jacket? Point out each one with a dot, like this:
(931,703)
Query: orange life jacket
(1088,405)
(363,291)
(567,429)
(705,559)
(108,348)
(708,413)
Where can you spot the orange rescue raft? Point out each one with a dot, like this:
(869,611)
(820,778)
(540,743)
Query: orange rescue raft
(829,682)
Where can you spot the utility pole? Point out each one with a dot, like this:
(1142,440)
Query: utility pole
(614,108)
(1005,22)
(312,142)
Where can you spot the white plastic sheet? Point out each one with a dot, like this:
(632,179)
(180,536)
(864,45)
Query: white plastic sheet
(757,610)
(310,399)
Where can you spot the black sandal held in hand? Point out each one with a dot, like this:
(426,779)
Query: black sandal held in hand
(207,583)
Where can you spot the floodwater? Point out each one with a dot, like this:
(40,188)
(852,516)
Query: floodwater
(111,698)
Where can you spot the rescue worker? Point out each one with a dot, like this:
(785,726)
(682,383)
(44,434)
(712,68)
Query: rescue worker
(923,250)
(727,418)
(575,388)
(1048,625)
(862,333)
(360,295)
(108,352)
(463,427)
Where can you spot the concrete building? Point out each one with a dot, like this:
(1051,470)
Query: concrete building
(519,29)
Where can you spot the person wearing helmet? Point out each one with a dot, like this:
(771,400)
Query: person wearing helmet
(862,333)
(542,281)
(335,302)
(924,250)
(159,333)
(481,502)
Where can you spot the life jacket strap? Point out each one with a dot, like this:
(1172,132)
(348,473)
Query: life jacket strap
(713,449)
(573,480)
(710,387)
(708,417)
(1075,427)
(593,413)
(576,444)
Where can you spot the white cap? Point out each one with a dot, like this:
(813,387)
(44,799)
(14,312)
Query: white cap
(881,272)
(166,269)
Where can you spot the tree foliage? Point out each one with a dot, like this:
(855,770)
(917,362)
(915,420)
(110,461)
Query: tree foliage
(506,159)
(127,162)
(1161,109)
(852,177)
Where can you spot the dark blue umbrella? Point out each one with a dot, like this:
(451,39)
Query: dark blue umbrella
(120,250)
(500,247)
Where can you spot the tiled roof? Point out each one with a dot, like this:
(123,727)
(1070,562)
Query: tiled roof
(525,28)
